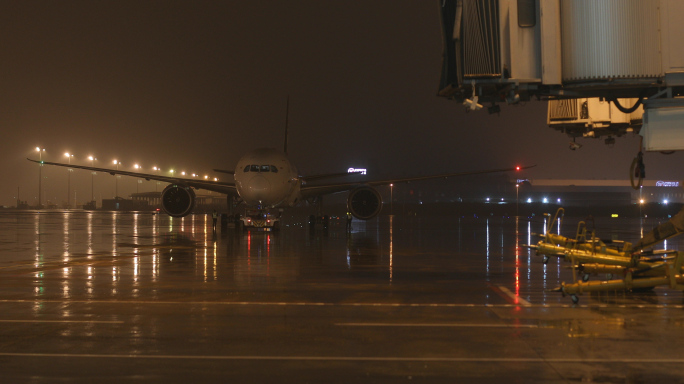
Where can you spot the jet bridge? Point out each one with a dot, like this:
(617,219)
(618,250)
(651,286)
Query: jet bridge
(607,67)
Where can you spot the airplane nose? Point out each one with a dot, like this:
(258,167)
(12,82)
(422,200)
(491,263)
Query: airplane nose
(260,187)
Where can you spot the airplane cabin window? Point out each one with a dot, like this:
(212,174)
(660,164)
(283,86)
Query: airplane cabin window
(254,168)
(274,169)
(246,169)
(265,168)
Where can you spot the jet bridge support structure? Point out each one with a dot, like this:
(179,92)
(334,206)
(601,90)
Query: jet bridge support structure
(607,67)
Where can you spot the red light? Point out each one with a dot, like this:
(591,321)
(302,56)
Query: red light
(517,168)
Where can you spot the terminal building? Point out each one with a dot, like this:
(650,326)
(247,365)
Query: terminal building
(502,189)
(595,192)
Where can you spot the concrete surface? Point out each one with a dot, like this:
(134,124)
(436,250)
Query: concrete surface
(123,297)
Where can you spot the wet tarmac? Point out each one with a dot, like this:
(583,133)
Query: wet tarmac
(124,297)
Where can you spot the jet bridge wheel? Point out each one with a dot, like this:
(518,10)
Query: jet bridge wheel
(574,298)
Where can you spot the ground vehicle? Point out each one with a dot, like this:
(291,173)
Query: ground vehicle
(260,220)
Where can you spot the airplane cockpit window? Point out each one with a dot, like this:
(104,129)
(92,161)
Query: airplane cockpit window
(260,168)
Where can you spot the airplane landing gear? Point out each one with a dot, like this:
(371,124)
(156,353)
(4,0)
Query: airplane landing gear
(324,220)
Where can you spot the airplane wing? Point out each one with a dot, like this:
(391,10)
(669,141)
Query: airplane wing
(307,179)
(210,185)
(321,189)
(224,171)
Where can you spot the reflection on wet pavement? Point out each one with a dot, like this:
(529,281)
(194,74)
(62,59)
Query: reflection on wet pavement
(431,298)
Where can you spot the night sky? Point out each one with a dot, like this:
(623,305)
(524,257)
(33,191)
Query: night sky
(193,85)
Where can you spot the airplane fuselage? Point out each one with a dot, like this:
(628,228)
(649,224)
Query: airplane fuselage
(265,177)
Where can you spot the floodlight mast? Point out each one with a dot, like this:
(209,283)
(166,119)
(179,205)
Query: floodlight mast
(92,178)
(116,180)
(69,170)
(40,177)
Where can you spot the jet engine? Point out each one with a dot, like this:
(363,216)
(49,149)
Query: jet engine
(178,200)
(364,203)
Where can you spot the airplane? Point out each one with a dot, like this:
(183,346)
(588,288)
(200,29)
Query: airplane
(265,178)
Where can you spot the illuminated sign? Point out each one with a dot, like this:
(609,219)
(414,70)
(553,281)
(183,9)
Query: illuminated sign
(661,183)
(357,170)
(520,181)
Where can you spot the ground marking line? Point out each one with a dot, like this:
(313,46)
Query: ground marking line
(455,325)
(356,358)
(516,299)
(64,321)
(320,304)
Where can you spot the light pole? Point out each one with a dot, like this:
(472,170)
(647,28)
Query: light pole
(40,177)
(156,182)
(641,201)
(116,180)
(517,188)
(391,199)
(139,181)
(92,178)
(69,170)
